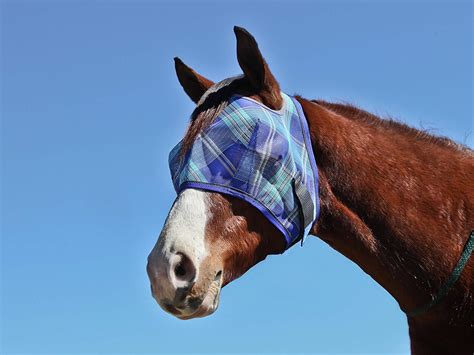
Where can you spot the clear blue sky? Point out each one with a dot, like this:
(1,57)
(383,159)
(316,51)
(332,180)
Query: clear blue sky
(90,108)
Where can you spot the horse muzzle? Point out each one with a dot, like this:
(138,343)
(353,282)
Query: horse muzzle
(180,289)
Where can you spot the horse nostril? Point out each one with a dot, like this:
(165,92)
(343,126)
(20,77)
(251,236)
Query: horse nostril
(184,269)
(179,270)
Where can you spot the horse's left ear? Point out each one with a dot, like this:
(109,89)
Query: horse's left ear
(256,69)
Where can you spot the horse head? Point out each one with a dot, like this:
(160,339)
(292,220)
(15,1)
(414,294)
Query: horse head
(209,238)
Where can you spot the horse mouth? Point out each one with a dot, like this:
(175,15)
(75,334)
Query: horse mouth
(210,302)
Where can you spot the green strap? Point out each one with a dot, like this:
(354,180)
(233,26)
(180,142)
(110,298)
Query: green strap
(468,248)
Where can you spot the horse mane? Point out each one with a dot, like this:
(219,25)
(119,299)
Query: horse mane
(355,113)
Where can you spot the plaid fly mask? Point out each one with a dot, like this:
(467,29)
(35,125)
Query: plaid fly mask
(259,155)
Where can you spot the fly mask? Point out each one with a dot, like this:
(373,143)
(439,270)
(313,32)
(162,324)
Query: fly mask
(260,155)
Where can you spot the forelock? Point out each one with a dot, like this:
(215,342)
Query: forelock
(216,87)
(211,104)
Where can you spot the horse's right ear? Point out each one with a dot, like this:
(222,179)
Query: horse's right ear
(256,69)
(193,84)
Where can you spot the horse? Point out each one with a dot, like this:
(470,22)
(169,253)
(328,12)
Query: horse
(397,201)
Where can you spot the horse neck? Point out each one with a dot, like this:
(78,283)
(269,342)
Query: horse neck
(390,203)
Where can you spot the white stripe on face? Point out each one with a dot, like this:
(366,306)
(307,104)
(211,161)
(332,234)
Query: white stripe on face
(182,238)
(185,228)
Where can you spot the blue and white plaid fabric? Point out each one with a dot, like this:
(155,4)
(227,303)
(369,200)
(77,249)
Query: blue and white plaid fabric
(259,155)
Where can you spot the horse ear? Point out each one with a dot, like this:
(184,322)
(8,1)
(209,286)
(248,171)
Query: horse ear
(193,84)
(256,69)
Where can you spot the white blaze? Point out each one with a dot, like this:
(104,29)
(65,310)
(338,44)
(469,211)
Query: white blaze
(185,228)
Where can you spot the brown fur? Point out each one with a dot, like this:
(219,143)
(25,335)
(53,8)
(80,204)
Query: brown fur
(240,234)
